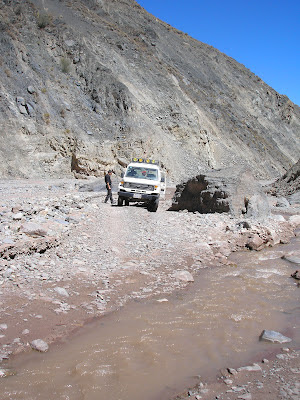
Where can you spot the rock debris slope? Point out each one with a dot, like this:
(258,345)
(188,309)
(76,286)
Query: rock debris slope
(288,185)
(87,84)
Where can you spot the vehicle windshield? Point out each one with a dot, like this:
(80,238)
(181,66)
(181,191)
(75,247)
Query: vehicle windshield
(141,173)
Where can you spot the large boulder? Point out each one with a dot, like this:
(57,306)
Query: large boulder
(230,190)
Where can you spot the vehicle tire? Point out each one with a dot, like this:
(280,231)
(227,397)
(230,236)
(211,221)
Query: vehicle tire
(120,201)
(153,206)
(126,202)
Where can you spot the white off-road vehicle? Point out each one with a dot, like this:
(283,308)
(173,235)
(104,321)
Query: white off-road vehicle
(143,181)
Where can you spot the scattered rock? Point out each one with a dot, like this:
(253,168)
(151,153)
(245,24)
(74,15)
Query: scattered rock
(232,371)
(292,259)
(250,368)
(294,220)
(255,243)
(33,229)
(61,291)
(31,89)
(274,337)
(184,276)
(282,202)
(18,216)
(5,372)
(246,396)
(296,275)
(39,345)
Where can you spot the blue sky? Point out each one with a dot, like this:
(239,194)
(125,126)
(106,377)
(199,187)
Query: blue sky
(263,35)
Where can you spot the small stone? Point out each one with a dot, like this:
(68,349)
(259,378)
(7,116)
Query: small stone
(7,241)
(22,109)
(5,372)
(254,367)
(246,396)
(39,345)
(61,291)
(292,259)
(281,356)
(255,243)
(31,89)
(33,229)
(18,216)
(30,109)
(184,276)
(162,300)
(25,332)
(20,101)
(274,337)
(232,371)
(237,389)
(3,327)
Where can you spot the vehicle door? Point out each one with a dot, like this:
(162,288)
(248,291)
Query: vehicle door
(163,184)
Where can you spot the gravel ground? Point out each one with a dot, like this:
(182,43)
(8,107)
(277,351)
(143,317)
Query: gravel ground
(274,378)
(67,257)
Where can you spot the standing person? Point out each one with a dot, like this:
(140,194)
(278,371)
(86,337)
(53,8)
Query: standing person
(108,187)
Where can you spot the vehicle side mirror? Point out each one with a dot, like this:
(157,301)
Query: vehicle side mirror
(122,174)
(162,179)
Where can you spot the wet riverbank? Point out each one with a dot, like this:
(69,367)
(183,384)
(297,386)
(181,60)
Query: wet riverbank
(105,257)
(152,349)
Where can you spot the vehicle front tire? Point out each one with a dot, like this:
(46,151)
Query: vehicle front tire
(120,201)
(153,206)
(126,202)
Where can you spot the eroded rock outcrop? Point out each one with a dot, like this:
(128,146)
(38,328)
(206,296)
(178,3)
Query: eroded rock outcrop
(231,190)
(288,185)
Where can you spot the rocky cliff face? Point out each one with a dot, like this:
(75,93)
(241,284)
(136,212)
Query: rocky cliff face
(288,185)
(85,85)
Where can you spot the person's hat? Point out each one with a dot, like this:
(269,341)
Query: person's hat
(109,170)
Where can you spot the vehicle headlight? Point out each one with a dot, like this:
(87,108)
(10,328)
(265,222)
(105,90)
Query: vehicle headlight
(126,184)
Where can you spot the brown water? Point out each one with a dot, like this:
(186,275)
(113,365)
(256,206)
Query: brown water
(151,350)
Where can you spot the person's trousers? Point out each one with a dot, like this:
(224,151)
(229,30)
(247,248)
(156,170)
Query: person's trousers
(108,196)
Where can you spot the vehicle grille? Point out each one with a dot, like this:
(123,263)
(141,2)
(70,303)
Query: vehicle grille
(139,186)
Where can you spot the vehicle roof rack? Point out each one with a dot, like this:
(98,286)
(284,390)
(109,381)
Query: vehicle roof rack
(145,160)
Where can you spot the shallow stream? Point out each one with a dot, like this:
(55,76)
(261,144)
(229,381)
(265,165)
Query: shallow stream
(153,349)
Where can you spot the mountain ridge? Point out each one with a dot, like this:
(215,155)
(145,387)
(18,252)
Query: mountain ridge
(109,81)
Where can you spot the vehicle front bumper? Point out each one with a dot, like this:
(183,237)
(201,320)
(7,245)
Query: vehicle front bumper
(133,196)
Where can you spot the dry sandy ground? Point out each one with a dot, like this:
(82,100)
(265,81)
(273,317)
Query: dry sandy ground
(81,258)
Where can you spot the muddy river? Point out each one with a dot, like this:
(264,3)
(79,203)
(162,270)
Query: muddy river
(154,349)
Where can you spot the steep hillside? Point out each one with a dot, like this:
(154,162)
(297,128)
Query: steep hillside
(85,85)
(288,184)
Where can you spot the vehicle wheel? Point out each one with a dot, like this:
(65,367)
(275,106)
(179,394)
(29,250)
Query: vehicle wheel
(120,201)
(126,202)
(153,206)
